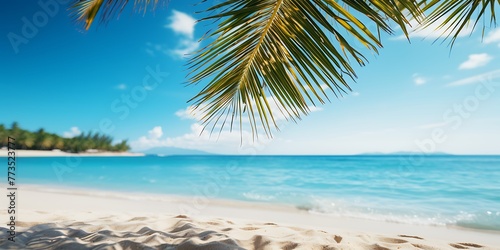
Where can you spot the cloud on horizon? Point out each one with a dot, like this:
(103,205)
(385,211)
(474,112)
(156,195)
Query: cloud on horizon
(199,139)
(220,141)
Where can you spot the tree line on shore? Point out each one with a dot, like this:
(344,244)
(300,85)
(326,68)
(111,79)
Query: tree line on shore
(42,140)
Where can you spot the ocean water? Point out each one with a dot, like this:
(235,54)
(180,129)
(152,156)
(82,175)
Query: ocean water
(433,190)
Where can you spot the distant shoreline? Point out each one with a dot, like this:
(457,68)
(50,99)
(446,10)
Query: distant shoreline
(56,153)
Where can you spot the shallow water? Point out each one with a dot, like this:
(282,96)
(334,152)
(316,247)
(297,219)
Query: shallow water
(436,190)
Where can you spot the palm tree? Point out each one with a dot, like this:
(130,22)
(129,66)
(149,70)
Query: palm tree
(3,136)
(283,51)
(122,146)
(15,130)
(26,140)
(44,141)
(58,143)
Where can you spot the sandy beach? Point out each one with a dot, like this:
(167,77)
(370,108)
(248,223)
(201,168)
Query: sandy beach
(56,153)
(64,218)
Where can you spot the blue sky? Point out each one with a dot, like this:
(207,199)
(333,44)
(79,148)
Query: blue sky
(411,97)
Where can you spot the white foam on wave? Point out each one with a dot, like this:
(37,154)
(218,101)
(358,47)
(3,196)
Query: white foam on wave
(258,197)
(398,214)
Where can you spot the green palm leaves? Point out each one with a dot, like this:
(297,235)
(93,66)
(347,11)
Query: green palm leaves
(284,51)
(454,15)
(269,56)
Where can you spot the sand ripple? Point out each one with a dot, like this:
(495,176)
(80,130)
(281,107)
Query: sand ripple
(182,232)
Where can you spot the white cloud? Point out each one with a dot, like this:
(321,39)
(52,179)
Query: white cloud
(488,76)
(355,94)
(74,131)
(182,23)
(433,31)
(418,79)
(493,37)
(121,86)
(476,61)
(152,140)
(155,133)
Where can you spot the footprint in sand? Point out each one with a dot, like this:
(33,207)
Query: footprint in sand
(424,247)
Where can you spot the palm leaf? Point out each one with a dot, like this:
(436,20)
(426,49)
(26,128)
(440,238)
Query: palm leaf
(286,50)
(86,11)
(457,15)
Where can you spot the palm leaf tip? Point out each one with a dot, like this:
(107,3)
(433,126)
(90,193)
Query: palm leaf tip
(86,11)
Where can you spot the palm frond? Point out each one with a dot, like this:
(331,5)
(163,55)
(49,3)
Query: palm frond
(285,49)
(458,14)
(86,11)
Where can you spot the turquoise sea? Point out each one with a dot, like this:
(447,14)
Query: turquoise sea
(434,190)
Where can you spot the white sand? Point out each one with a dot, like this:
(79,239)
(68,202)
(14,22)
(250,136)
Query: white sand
(62,218)
(46,153)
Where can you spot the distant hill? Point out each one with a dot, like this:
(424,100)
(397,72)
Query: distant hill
(173,151)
